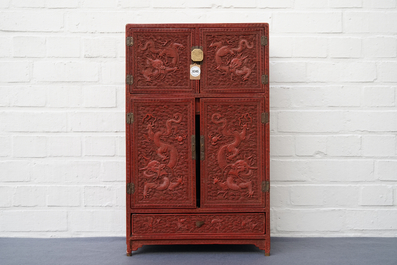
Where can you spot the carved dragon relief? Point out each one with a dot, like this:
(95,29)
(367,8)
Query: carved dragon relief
(236,174)
(160,173)
(233,61)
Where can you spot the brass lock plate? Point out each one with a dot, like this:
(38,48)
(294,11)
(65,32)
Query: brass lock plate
(197,55)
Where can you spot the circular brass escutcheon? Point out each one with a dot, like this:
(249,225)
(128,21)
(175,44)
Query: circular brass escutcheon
(197,55)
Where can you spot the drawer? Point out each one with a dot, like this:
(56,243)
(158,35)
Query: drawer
(237,223)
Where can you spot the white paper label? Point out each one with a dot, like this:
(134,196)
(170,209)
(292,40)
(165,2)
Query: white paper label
(195,71)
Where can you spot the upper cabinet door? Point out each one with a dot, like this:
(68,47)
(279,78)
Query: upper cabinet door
(159,142)
(158,58)
(234,58)
(232,152)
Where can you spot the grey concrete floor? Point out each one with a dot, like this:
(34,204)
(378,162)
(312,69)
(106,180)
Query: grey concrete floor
(360,251)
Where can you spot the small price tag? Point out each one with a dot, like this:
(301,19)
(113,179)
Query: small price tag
(195,72)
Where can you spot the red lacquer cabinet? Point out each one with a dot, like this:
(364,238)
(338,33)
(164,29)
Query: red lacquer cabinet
(197,115)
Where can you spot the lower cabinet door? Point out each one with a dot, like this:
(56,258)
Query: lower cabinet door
(159,141)
(233,152)
(236,223)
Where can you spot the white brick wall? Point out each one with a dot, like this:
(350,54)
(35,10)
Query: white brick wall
(333,76)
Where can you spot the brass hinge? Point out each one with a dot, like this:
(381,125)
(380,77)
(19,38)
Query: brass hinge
(130,118)
(264,41)
(265,79)
(193,147)
(129,80)
(265,186)
(202,153)
(130,188)
(265,117)
(130,41)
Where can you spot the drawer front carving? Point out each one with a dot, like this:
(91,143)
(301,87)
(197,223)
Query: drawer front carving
(252,223)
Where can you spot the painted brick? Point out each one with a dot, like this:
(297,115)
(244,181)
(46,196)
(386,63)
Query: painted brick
(6,194)
(138,4)
(387,71)
(121,146)
(15,171)
(92,122)
(275,3)
(319,22)
(168,4)
(288,170)
(341,196)
(63,4)
(280,47)
(376,195)
(4,96)
(380,3)
(280,97)
(379,145)
(66,172)
(37,21)
(99,146)
(99,196)
(279,196)
(5,47)
(30,196)
(310,47)
(64,196)
(345,3)
(34,221)
(349,145)
(33,122)
(107,47)
(120,97)
(113,73)
(282,72)
(100,21)
(307,195)
(308,4)
(380,47)
(386,170)
(113,171)
(65,97)
(28,46)
(318,220)
(282,146)
(64,146)
(224,16)
(5,3)
(371,219)
(345,47)
(239,4)
(5,146)
(98,3)
(66,47)
(15,71)
(97,221)
(370,22)
(341,71)
(120,196)
(378,96)
(311,121)
(31,3)
(32,96)
(99,97)
(66,71)
(29,146)
(311,145)
(374,121)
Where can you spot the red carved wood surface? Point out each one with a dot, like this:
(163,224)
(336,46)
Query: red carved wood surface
(234,60)
(253,223)
(160,60)
(233,169)
(164,173)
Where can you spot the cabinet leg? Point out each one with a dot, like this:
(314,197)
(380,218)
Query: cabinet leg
(129,249)
(267,254)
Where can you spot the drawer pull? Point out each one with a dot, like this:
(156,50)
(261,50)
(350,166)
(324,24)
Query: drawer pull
(199,223)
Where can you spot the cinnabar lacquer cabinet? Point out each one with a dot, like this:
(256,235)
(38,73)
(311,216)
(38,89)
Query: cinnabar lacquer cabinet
(197,115)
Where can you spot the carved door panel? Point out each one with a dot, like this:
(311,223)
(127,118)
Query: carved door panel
(234,59)
(158,59)
(163,169)
(233,168)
